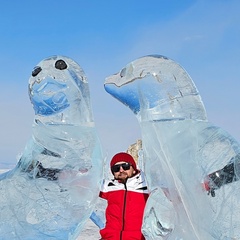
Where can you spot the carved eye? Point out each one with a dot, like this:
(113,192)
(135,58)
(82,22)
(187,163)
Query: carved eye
(60,64)
(36,71)
(123,72)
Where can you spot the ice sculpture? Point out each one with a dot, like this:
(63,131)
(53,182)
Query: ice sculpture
(52,190)
(191,166)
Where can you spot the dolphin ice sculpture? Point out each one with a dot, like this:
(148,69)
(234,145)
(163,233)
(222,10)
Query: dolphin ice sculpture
(52,190)
(192,167)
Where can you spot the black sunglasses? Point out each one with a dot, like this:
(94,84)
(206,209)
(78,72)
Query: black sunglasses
(125,166)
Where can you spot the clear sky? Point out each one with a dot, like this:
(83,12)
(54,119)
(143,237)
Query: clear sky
(103,36)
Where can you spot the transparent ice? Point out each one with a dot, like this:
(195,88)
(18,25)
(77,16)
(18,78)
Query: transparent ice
(181,149)
(52,191)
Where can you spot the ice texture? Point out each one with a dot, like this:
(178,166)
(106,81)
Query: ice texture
(52,191)
(181,150)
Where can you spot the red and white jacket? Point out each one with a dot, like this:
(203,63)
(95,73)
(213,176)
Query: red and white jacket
(125,208)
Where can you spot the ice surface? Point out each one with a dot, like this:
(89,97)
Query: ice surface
(52,191)
(181,149)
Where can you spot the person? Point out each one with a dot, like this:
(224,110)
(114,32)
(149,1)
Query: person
(126,197)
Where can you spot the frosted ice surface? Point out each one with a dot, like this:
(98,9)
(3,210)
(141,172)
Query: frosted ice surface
(181,151)
(53,189)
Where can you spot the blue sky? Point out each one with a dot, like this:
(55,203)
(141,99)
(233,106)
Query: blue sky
(103,36)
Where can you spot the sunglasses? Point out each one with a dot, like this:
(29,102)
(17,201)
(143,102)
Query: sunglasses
(125,166)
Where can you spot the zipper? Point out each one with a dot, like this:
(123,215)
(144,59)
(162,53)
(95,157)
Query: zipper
(124,209)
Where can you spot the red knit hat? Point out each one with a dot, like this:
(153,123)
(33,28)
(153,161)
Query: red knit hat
(123,157)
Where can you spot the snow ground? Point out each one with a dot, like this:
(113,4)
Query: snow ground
(90,232)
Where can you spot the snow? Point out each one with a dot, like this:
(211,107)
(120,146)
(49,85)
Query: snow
(90,232)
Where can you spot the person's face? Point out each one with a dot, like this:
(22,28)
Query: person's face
(122,175)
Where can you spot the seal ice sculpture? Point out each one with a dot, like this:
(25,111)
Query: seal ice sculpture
(191,166)
(52,190)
